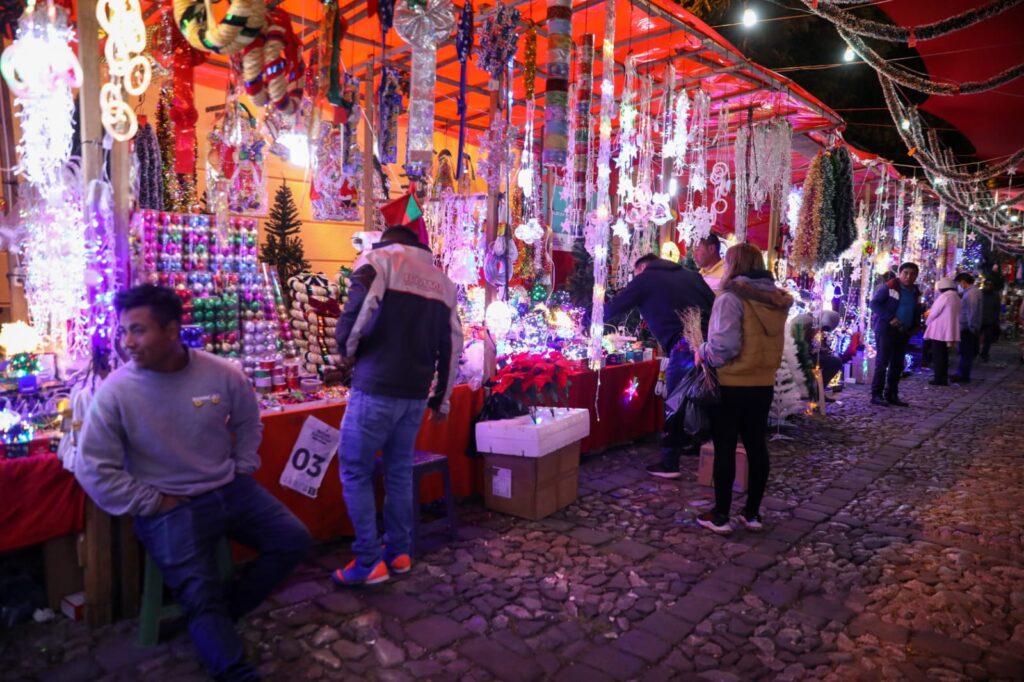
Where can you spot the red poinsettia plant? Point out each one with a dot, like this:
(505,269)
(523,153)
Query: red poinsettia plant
(530,380)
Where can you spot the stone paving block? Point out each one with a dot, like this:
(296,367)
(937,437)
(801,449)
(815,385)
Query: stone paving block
(643,644)
(556,525)
(776,592)
(827,609)
(809,514)
(886,632)
(1004,664)
(400,606)
(674,563)
(500,662)
(577,672)
(631,549)
(121,655)
(785,533)
(339,602)
(935,644)
(755,560)
(300,592)
(716,590)
(841,494)
(435,632)
(692,608)
(589,536)
(81,669)
(667,627)
(738,575)
(771,546)
(618,664)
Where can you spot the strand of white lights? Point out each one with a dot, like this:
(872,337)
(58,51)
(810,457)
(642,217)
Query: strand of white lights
(597,230)
(130,70)
(42,70)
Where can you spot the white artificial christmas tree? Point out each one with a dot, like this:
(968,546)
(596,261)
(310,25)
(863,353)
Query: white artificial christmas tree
(790,388)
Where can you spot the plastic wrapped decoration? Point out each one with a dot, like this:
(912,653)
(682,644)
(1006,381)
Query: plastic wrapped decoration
(147,154)
(463,48)
(444,180)
(498,39)
(424,25)
(333,193)
(556,97)
(389,106)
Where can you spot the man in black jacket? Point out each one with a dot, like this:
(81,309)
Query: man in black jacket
(662,290)
(401,325)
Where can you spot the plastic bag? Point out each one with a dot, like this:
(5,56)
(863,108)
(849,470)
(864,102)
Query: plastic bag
(687,404)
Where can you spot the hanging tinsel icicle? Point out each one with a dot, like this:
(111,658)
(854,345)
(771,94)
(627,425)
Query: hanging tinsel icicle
(808,228)
(147,151)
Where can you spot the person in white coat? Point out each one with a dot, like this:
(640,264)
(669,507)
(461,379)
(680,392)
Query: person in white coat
(943,328)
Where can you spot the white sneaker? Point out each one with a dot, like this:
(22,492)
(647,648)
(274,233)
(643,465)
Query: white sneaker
(751,523)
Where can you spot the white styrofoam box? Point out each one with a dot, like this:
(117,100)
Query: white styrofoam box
(521,436)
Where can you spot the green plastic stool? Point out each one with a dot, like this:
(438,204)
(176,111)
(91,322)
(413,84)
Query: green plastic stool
(153,609)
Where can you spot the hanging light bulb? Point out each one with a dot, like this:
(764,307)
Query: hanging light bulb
(749,17)
(905,124)
(849,55)
(1014,218)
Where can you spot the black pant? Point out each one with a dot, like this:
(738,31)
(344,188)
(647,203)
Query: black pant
(890,351)
(742,414)
(940,357)
(989,334)
(968,351)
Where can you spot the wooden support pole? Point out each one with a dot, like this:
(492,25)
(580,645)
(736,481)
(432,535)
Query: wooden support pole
(369,153)
(773,231)
(120,180)
(89,94)
(491,232)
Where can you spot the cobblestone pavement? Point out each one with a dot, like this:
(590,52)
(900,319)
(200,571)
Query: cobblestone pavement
(892,551)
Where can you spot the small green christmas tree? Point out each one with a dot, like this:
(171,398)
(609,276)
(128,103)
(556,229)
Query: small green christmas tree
(283,247)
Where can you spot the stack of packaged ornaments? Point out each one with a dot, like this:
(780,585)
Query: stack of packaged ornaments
(314,316)
(211,269)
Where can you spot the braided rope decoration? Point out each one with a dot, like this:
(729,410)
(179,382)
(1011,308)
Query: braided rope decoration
(272,65)
(239,28)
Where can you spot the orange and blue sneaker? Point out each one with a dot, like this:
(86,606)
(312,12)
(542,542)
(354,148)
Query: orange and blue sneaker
(398,563)
(355,574)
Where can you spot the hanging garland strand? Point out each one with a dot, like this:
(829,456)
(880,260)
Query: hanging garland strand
(909,79)
(463,48)
(907,34)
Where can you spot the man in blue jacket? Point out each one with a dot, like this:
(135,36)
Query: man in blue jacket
(897,314)
(401,325)
(662,290)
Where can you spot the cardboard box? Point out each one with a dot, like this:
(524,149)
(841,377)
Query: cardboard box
(705,468)
(525,437)
(73,605)
(532,487)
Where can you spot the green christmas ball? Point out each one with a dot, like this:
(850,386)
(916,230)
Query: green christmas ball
(538,293)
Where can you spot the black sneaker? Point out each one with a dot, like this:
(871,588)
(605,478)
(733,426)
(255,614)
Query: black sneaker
(896,402)
(715,523)
(661,471)
(933,382)
(879,401)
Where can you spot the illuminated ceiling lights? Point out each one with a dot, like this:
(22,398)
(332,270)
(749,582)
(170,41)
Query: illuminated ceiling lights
(749,17)
(849,55)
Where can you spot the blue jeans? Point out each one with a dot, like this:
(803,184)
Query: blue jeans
(673,441)
(375,423)
(183,544)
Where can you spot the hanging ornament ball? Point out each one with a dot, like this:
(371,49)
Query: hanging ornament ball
(539,292)
(499,318)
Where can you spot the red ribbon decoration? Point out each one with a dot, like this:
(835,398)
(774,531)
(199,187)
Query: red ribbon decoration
(182,62)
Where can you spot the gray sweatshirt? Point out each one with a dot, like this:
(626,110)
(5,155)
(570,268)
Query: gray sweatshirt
(183,433)
(970,310)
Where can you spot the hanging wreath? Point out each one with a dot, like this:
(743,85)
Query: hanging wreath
(239,28)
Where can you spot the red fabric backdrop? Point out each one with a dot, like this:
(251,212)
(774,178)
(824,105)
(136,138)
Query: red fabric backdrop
(39,500)
(617,415)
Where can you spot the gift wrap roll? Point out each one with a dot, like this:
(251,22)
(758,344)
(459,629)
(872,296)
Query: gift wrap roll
(556,95)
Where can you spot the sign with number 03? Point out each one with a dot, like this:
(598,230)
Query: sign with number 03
(311,455)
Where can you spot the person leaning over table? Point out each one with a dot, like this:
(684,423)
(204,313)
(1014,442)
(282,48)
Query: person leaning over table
(171,438)
(746,336)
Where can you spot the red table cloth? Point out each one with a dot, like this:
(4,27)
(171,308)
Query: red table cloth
(325,515)
(39,501)
(623,407)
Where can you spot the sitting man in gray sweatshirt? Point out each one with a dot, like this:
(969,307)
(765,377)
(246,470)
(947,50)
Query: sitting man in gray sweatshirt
(171,438)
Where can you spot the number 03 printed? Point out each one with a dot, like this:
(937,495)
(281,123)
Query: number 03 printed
(311,455)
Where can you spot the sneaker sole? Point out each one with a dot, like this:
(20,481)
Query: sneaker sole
(670,476)
(340,581)
(718,530)
(400,571)
(752,529)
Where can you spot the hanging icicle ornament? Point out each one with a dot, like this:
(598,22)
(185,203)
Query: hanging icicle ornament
(556,89)
(96,321)
(130,70)
(676,137)
(424,25)
(389,106)
(598,225)
(898,217)
(42,71)
(495,152)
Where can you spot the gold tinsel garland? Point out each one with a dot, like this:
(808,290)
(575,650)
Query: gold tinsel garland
(808,229)
(179,188)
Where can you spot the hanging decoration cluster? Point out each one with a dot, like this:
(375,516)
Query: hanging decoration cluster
(463,50)
(147,154)
(498,40)
(423,25)
(763,156)
(130,70)
(600,220)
